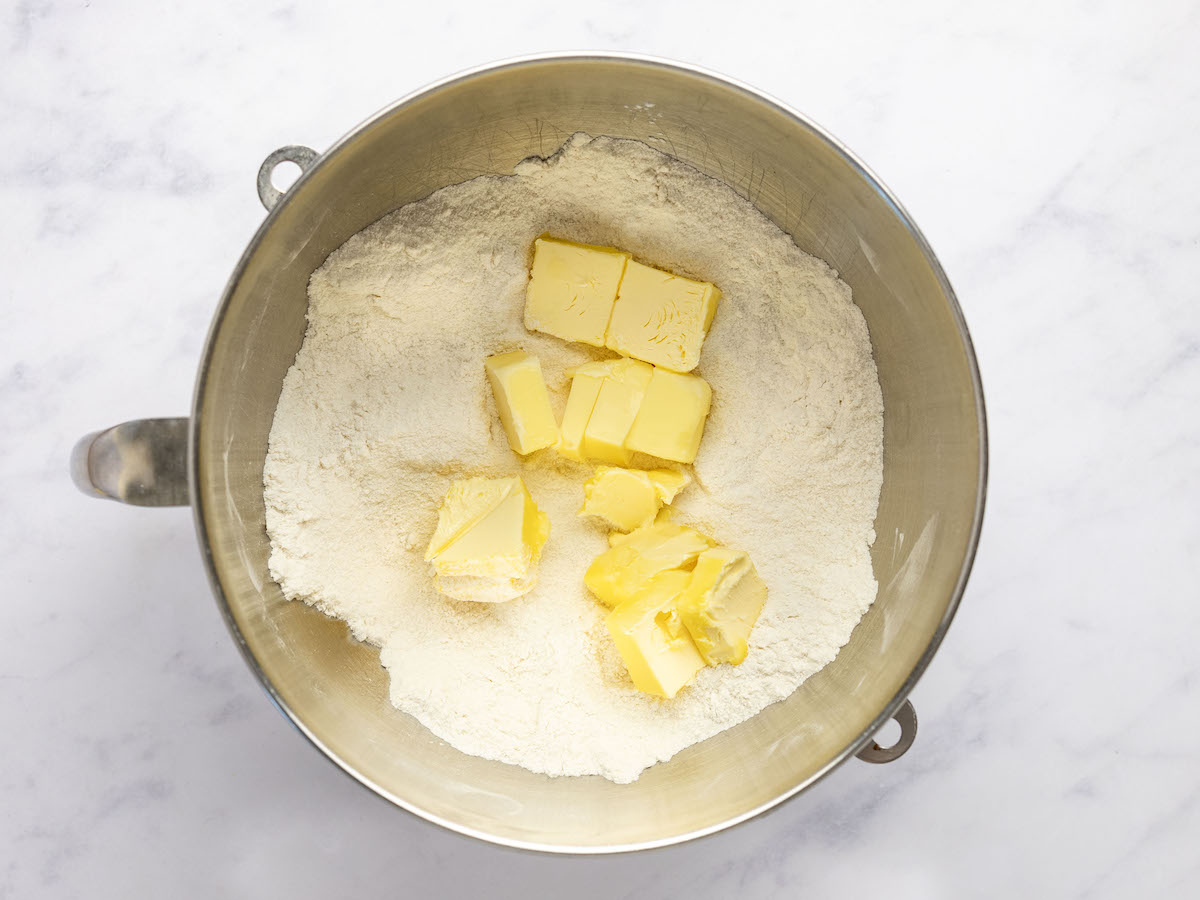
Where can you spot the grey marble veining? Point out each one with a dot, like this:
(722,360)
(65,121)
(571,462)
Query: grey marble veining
(1049,152)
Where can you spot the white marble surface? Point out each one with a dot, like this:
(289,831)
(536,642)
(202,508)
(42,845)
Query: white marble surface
(1049,150)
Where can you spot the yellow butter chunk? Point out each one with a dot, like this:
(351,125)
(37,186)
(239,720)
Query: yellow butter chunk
(501,543)
(661,318)
(522,401)
(466,502)
(657,650)
(721,604)
(618,573)
(671,419)
(488,540)
(667,483)
(624,498)
(572,288)
(617,406)
(603,404)
(629,498)
(585,389)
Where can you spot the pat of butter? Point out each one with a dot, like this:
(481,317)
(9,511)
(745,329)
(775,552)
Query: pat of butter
(522,401)
(602,406)
(661,318)
(658,651)
(670,422)
(629,498)
(572,288)
(488,540)
(585,388)
(617,406)
(618,573)
(721,604)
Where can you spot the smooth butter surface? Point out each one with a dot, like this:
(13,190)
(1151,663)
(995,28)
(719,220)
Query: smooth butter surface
(585,388)
(670,421)
(522,401)
(620,406)
(616,408)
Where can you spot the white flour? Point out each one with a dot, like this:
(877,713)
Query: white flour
(387,402)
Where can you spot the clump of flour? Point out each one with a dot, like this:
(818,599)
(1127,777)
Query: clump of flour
(387,403)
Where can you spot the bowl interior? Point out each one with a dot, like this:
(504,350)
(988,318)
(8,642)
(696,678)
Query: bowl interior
(336,690)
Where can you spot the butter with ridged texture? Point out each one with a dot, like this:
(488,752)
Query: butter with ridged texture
(657,650)
(488,540)
(618,573)
(628,499)
(522,401)
(670,421)
(572,289)
(661,318)
(721,604)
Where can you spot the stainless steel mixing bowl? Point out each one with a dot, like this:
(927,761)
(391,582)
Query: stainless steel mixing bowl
(486,121)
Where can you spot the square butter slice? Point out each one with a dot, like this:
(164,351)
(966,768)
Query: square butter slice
(670,422)
(661,318)
(522,401)
(572,288)
(721,604)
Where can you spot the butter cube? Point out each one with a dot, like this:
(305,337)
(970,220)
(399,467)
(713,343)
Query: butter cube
(661,318)
(721,604)
(585,388)
(616,408)
(488,540)
(629,498)
(618,573)
(522,401)
(572,288)
(658,652)
(670,422)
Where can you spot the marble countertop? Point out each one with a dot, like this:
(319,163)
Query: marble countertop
(1049,151)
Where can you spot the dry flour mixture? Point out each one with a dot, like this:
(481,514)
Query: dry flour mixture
(387,402)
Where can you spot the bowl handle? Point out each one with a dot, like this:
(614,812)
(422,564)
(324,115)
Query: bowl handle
(906,717)
(143,463)
(302,156)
